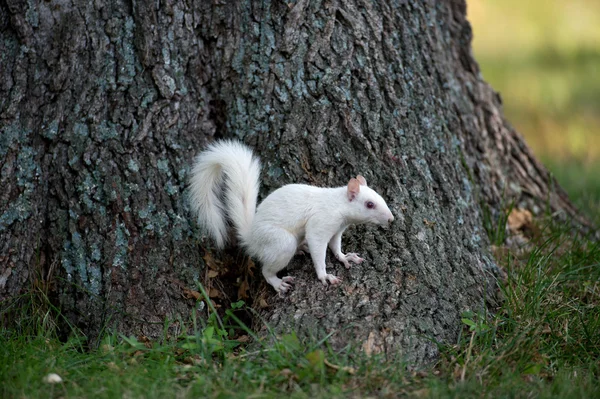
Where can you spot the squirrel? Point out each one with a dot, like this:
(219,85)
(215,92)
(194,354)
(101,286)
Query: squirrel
(224,186)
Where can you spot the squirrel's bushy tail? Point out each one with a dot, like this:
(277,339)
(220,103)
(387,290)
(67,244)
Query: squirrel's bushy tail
(225,170)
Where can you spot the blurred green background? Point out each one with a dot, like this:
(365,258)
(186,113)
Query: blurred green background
(543,56)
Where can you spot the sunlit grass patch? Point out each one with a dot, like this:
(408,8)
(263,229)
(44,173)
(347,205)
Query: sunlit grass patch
(544,59)
(554,103)
(582,181)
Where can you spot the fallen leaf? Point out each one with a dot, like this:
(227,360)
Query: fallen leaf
(428,223)
(188,360)
(243,290)
(368,344)
(519,219)
(289,374)
(214,293)
(191,294)
(212,273)
(210,261)
(243,338)
(370,347)
(251,266)
(146,341)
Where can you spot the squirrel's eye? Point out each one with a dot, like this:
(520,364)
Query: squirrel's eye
(370,204)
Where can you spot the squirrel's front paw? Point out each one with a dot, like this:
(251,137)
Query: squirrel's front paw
(333,280)
(350,257)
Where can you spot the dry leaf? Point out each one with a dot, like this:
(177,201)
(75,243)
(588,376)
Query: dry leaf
(210,261)
(146,341)
(289,374)
(251,266)
(368,344)
(243,290)
(428,223)
(214,293)
(243,339)
(370,347)
(188,360)
(212,273)
(191,294)
(519,219)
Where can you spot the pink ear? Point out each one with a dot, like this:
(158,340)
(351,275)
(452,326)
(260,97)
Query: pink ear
(361,180)
(353,189)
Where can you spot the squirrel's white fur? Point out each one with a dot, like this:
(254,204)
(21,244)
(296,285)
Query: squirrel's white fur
(224,185)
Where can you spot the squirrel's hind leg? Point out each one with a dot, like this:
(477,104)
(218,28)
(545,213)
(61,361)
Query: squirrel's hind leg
(302,248)
(277,252)
(281,285)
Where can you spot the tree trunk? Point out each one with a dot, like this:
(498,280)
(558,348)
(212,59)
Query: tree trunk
(103,106)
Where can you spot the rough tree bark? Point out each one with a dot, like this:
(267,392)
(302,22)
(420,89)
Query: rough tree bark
(104,104)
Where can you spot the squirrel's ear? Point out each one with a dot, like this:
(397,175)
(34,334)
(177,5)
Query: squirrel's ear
(353,188)
(361,180)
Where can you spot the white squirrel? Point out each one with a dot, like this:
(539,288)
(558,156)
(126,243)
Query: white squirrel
(289,219)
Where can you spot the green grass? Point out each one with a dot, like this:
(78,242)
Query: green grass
(543,56)
(582,181)
(542,342)
(125,367)
(552,99)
